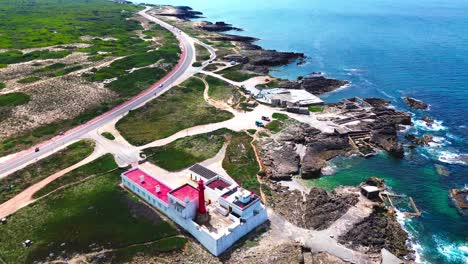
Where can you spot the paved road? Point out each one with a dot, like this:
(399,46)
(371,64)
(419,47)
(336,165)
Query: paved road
(186,59)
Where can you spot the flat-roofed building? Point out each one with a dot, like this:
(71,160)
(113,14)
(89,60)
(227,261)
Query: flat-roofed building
(216,220)
(288,97)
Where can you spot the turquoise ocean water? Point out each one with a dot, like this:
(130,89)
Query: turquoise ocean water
(388,49)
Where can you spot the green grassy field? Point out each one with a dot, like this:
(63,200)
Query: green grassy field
(99,166)
(131,84)
(240,162)
(179,108)
(16,56)
(41,23)
(22,179)
(221,90)
(84,218)
(236,74)
(2,85)
(13,99)
(187,151)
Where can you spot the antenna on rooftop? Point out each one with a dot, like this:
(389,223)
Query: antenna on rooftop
(142,178)
(158,189)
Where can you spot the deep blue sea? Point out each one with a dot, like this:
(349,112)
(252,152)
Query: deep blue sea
(388,49)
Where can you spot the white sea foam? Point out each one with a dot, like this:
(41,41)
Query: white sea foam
(436,126)
(352,70)
(329,170)
(386,94)
(452,158)
(402,220)
(439,142)
(340,88)
(451,251)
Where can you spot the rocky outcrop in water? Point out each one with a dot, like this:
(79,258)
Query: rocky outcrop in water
(424,140)
(317,209)
(217,27)
(415,104)
(377,231)
(315,85)
(182,12)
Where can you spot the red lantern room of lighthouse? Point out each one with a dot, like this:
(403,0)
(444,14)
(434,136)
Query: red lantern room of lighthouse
(201,197)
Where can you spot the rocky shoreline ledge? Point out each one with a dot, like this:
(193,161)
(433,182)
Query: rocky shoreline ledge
(378,123)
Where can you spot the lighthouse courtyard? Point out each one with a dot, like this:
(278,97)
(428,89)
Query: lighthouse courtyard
(213,209)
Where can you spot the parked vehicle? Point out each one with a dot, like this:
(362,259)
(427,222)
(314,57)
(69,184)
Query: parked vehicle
(259,124)
(36,150)
(265,118)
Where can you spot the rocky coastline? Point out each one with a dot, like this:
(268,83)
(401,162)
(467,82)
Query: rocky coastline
(299,149)
(380,123)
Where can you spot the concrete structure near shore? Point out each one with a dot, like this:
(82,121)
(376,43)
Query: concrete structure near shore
(216,211)
(288,97)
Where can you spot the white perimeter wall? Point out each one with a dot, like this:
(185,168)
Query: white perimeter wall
(215,243)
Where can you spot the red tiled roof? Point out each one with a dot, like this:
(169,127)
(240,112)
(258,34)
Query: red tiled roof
(149,184)
(218,183)
(185,191)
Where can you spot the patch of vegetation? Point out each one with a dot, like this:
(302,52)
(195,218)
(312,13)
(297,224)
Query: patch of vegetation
(169,54)
(99,166)
(133,83)
(67,70)
(280,116)
(197,64)
(16,56)
(269,85)
(252,131)
(108,135)
(316,108)
(13,99)
(240,162)
(30,79)
(95,212)
(51,67)
(221,90)
(202,53)
(236,74)
(2,85)
(213,66)
(31,174)
(164,245)
(274,126)
(187,151)
(42,23)
(180,108)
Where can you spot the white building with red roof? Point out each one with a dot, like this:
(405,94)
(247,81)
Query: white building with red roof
(215,210)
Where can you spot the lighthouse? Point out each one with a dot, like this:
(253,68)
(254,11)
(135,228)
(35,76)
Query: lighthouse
(201,197)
